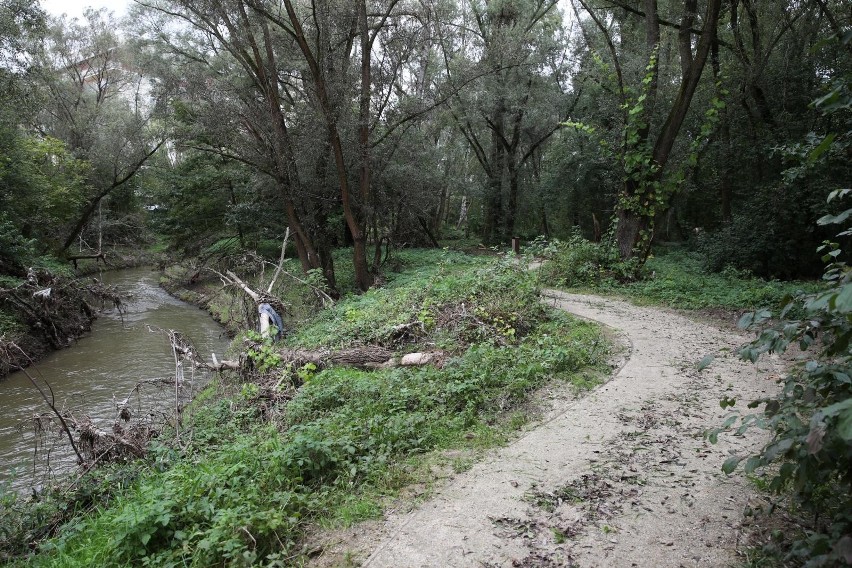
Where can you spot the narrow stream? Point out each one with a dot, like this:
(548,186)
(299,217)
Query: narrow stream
(104,366)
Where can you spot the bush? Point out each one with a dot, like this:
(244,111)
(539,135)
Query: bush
(678,278)
(810,454)
(447,298)
(774,241)
(578,262)
(811,419)
(15,250)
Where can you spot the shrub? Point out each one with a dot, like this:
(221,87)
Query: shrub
(779,245)
(811,419)
(452,300)
(578,262)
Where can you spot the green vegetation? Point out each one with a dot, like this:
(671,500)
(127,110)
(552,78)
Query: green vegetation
(674,276)
(810,420)
(809,457)
(260,461)
(688,122)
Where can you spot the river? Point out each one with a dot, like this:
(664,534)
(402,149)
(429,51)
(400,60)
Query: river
(103,366)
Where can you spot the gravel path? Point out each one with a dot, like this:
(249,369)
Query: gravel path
(620,477)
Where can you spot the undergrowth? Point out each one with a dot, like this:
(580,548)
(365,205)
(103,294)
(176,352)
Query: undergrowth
(673,277)
(679,279)
(253,470)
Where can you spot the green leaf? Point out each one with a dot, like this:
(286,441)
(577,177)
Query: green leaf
(705,362)
(843,301)
(834,219)
(837,408)
(778,448)
(842,192)
(818,302)
(772,407)
(727,402)
(761,316)
(844,425)
(752,464)
(746,320)
(731,464)
(821,148)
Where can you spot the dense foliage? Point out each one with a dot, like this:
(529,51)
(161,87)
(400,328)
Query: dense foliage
(810,454)
(811,419)
(380,126)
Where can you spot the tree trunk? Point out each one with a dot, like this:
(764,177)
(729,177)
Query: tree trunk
(493,208)
(630,228)
(725,173)
(545,227)
(635,226)
(512,201)
(352,211)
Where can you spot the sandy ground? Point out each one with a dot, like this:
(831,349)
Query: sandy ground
(621,477)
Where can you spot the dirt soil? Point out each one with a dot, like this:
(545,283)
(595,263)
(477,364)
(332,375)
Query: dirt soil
(620,477)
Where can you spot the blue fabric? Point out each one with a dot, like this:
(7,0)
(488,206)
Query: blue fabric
(276,319)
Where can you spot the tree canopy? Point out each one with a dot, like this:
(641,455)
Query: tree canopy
(380,124)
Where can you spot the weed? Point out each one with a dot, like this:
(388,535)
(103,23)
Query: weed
(578,262)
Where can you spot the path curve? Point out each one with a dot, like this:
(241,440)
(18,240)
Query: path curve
(620,477)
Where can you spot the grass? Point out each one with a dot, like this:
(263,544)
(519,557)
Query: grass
(676,278)
(260,468)
(10,325)
(423,284)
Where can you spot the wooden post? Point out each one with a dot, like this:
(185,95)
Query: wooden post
(516,245)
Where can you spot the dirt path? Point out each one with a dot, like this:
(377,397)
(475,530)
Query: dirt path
(620,477)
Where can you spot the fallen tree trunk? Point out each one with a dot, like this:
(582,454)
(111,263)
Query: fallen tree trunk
(369,357)
(96,257)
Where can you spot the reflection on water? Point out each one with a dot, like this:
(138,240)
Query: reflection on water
(105,366)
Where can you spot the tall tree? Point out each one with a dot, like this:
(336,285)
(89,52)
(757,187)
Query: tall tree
(645,152)
(98,104)
(516,105)
(297,70)
(354,27)
(233,50)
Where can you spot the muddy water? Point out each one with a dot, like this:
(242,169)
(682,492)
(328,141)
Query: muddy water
(105,366)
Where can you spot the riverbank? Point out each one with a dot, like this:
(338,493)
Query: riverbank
(189,285)
(278,449)
(55,305)
(42,313)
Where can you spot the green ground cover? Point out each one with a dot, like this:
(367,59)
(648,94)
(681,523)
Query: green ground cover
(673,277)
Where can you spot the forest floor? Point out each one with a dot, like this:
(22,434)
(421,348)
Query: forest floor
(622,476)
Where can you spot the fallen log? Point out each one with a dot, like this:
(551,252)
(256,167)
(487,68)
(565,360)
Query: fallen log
(418,359)
(369,357)
(96,257)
